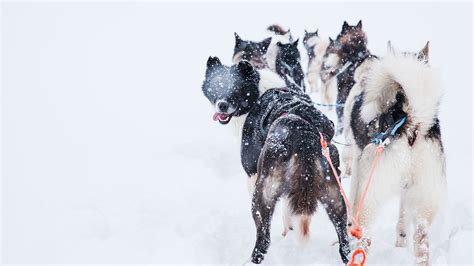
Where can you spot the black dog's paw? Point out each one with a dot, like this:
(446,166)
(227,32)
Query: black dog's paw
(257,256)
(257,259)
(345,251)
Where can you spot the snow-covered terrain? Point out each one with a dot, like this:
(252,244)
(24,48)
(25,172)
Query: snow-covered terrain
(110,155)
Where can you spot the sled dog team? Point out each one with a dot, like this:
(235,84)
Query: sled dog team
(387,102)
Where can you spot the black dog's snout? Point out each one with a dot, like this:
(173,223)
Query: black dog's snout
(222,106)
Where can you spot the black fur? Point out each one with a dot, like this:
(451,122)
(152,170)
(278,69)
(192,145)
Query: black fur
(288,63)
(363,133)
(435,133)
(359,128)
(281,145)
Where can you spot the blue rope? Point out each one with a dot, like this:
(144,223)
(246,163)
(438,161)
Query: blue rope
(380,137)
(329,105)
(399,123)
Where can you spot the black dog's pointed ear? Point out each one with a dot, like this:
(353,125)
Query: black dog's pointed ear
(245,68)
(213,62)
(305,32)
(331,40)
(345,26)
(316,32)
(238,40)
(359,25)
(265,44)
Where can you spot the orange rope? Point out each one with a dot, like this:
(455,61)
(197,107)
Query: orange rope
(326,154)
(357,252)
(374,164)
(355,230)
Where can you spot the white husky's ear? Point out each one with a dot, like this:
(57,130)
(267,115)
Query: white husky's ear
(390,49)
(423,55)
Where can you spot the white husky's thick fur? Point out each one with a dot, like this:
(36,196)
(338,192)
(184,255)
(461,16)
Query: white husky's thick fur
(414,172)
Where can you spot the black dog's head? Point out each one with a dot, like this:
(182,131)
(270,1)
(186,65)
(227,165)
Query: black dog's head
(231,90)
(289,53)
(254,52)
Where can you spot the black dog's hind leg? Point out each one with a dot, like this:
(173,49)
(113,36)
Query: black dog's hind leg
(268,189)
(333,202)
(262,211)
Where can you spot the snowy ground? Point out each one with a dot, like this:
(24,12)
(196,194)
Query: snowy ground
(110,155)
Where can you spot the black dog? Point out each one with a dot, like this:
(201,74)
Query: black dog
(280,148)
(288,64)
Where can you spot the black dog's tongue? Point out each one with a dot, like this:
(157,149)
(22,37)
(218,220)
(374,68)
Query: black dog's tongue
(220,117)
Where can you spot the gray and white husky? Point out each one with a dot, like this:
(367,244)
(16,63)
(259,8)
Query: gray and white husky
(315,49)
(412,165)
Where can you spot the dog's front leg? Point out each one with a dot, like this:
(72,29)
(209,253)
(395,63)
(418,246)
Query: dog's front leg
(367,215)
(402,224)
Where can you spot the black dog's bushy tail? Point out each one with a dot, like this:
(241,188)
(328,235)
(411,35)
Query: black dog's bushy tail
(301,171)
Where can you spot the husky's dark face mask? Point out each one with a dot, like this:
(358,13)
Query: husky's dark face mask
(253,52)
(231,90)
(289,53)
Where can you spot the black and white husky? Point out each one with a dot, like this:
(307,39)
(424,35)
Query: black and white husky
(261,54)
(315,49)
(280,150)
(277,53)
(253,52)
(412,166)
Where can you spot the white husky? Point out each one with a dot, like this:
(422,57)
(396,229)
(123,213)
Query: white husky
(412,165)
